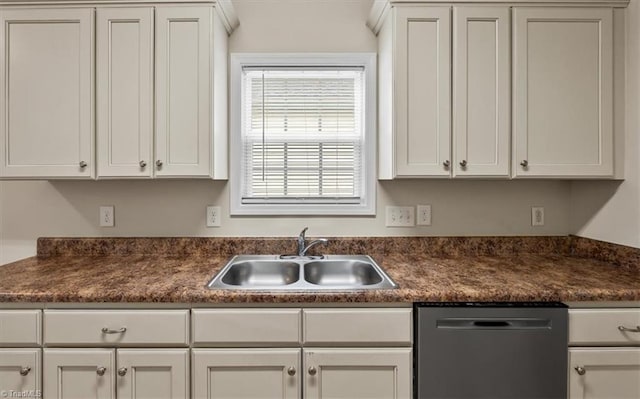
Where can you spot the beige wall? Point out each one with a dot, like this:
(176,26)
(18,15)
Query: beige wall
(176,208)
(610,211)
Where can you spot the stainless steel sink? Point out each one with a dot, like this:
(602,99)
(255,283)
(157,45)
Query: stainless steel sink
(339,273)
(301,273)
(260,273)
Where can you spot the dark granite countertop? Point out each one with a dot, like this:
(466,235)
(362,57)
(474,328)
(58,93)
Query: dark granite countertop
(487,274)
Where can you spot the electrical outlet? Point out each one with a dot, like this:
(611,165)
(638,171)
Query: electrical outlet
(537,216)
(400,216)
(107,215)
(213,216)
(424,215)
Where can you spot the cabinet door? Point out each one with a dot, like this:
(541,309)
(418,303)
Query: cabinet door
(422,80)
(357,373)
(183,91)
(246,373)
(79,373)
(124,91)
(607,373)
(563,90)
(153,373)
(481,91)
(46,93)
(20,371)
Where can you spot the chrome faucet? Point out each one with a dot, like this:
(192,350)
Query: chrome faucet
(302,249)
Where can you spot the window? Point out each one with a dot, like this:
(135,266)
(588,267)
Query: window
(303,134)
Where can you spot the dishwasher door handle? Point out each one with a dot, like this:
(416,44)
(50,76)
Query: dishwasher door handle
(494,324)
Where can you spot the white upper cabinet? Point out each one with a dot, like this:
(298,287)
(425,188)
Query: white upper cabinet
(46,93)
(563,92)
(530,94)
(124,91)
(160,101)
(415,92)
(481,91)
(183,91)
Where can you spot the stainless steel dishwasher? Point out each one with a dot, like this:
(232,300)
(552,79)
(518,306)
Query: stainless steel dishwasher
(491,350)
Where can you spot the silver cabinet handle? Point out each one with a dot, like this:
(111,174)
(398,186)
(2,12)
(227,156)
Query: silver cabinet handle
(463,164)
(122,371)
(25,370)
(159,163)
(446,164)
(106,330)
(101,370)
(580,370)
(524,164)
(291,371)
(627,329)
(83,164)
(143,164)
(312,370)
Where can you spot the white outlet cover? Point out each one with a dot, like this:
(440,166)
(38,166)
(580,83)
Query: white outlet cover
(537,216)
(423,215)
(107,216)
(213,216)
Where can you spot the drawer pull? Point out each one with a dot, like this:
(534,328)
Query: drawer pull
(627,329)
(101,370)
(291,371)
(25,370)
(580,370)
(105,330)
(312,370)
(122,371)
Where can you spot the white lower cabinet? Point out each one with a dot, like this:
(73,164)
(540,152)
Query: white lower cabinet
(364,373)
(153,374)
(604,373)
(246,373)
(136,374)
(20,372)
(79,373)
(604,357)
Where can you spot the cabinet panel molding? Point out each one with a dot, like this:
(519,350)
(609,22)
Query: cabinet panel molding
(246,373)
(422,91)
(153,373)
(46,93)
(604,373)
(365,373)
(124,91)
(563,92)
(183,91)
(20,370)
(481,91)
(79,373)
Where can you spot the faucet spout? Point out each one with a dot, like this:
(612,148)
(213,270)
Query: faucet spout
(312,244)
(302,244)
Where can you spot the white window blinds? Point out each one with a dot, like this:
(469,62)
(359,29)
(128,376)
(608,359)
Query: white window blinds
(302,135)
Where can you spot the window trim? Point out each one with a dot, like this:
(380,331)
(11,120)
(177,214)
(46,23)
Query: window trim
(240,60)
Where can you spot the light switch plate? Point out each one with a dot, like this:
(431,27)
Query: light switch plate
(400,216)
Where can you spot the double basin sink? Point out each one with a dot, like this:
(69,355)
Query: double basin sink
(301,273)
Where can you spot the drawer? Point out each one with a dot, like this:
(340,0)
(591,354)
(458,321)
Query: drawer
(355,327)
(602,326)
(122,327)
(20,328)
(246,327)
